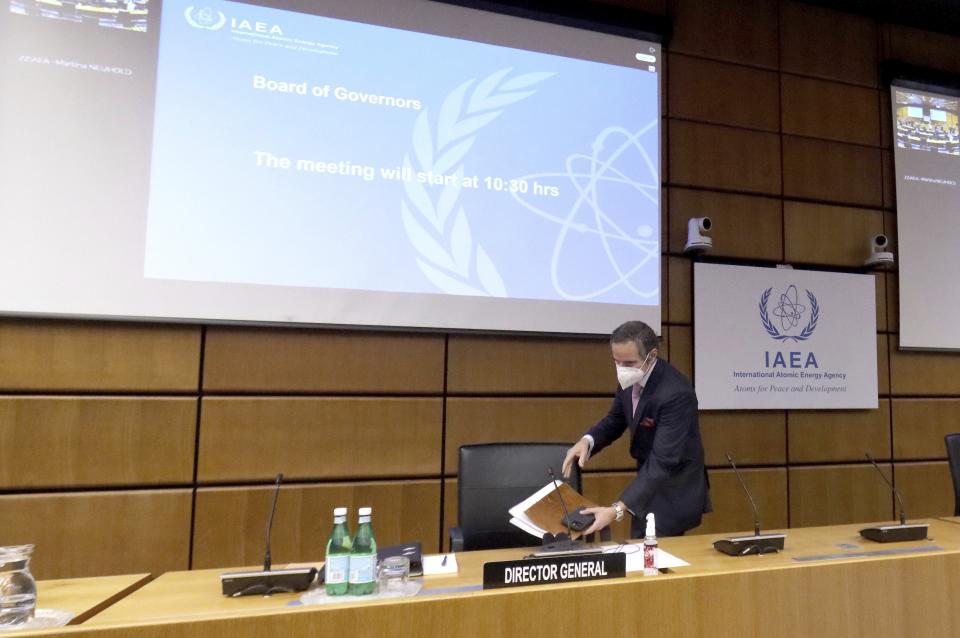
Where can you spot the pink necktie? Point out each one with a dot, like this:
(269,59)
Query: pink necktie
(636,397)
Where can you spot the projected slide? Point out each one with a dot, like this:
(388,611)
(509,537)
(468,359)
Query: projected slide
(927,158)
(379,163)
(307,151)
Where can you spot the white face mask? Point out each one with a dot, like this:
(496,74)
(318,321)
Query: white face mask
(629,376)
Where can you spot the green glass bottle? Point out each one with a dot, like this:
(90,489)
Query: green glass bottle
(337,557)
(363,557)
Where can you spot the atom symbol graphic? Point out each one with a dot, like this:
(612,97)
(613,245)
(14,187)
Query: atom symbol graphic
(627,251)
(789,310)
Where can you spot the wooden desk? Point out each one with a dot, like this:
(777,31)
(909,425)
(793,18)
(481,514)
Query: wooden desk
(85,597)
(828,582)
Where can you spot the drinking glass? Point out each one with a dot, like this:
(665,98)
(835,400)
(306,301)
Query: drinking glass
(18,589)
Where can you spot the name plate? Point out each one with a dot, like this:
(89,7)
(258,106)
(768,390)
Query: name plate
(554,569)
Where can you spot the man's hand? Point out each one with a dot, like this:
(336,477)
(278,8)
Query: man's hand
(602,517)
(580,451)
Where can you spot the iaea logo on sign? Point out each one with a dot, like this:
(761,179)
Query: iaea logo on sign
(790,311)
(205,18)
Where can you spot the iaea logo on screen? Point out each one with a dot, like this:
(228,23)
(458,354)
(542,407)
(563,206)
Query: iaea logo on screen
(790,311)
(205,18)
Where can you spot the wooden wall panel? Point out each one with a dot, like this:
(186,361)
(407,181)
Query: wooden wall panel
(833,495)
(757,437)
(726,158)
(230,520)
(922,48)
(245,439)
(889,180)
(449,511)
(89,441)
(681,350)
(830,110)
(66,356)
(919,426)
(99,533)
(926,489)
(743,31)
(680,297)
(664,276)
(893,303)
(839,435)
(824,43)
(831,171)
(315,361)
(886,120)
(917,373)
(883,365)
(731,509)
(489,420)
(881,292)
(715,92)
(517,365)
(829,235)
(744,226)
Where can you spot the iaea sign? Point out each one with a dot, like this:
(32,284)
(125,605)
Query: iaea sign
(769,338)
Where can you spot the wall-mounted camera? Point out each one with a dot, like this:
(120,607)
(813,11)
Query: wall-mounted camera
(879,256)
(697,241)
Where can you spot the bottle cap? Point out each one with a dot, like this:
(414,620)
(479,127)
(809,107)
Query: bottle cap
(340,511)
(365,511)
(651,525)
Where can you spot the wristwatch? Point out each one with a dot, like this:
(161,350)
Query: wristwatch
(618,510)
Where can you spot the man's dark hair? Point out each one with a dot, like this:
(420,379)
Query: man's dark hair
(639,333)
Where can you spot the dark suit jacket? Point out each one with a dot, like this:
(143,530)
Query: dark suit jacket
(665,440)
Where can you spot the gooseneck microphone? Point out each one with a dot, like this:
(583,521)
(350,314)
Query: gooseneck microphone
(893,533)
(566,514)
(273,510)
(756,544)
(753,503)
(896,492)
(577,521)
(267,582)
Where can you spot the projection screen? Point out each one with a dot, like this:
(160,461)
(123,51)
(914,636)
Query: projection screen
(387,163)
(927,159)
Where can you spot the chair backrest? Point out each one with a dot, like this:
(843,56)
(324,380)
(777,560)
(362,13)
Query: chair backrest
(953,457)
(493,478)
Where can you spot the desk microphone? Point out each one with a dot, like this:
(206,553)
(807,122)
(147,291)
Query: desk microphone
(268,582)
(756,544)
(577,521)
(267,561)
(893,533)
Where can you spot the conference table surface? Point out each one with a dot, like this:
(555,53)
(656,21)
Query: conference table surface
(85,597)
(828,581)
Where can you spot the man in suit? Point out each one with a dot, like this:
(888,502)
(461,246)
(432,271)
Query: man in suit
(659,407)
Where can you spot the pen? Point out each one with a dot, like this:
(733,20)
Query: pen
(444,561)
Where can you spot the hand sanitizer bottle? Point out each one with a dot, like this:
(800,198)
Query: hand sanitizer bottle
(650,547)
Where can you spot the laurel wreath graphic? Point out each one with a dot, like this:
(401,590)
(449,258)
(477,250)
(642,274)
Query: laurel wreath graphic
(437,227)
(772,329)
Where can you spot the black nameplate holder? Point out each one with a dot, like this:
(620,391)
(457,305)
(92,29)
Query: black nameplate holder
(553,570)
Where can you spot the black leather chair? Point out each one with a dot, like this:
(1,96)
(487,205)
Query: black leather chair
(493,478)
(953,457)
